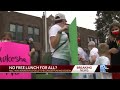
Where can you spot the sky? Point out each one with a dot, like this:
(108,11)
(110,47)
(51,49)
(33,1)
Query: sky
(84,19)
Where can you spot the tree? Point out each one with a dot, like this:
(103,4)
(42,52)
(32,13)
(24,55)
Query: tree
(103,21)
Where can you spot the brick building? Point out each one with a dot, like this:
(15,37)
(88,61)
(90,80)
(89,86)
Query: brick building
(87,35)
(22,26)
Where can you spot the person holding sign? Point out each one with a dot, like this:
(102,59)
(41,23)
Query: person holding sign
(32,54)
(7,36)
(9,49)
(58,38)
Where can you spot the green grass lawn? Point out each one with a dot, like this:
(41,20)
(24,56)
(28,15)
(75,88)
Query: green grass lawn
(44,76)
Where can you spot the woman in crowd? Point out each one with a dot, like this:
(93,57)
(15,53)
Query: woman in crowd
(114,46)
(57,37)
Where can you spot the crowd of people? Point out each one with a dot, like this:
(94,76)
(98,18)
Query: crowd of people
(107,53)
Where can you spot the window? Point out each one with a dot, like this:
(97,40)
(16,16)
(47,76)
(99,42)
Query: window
(96,41)
(34,33)
(12,27)
(91,39)
(17,32)
(13,31)
(88,39)
(30,32)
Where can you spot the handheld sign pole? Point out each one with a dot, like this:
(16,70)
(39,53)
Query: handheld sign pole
(73,44)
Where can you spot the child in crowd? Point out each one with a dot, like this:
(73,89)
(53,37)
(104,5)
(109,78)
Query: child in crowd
(103,50)
(6,36)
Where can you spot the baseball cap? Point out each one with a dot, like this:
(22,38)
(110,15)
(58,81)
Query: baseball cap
(60,16)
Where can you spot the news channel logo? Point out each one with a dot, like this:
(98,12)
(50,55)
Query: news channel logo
(103,68)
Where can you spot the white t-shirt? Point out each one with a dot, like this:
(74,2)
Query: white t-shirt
(103,60)
(94,51)
(64,51)
(82,54)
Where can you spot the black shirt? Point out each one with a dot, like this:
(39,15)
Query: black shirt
(31,45)
(115,58)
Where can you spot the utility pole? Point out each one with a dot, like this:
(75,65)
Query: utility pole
(46,44)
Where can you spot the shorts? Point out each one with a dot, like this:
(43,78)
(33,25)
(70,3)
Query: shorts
(57,61)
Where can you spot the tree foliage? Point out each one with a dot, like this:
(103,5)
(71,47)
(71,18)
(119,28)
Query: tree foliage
(103,21)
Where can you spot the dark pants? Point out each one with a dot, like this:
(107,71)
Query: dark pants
(57,61)
(33,62)
(94,76)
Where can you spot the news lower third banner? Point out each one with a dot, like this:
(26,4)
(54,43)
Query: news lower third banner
(58,68)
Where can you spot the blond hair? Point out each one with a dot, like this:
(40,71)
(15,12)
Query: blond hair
(103,48)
